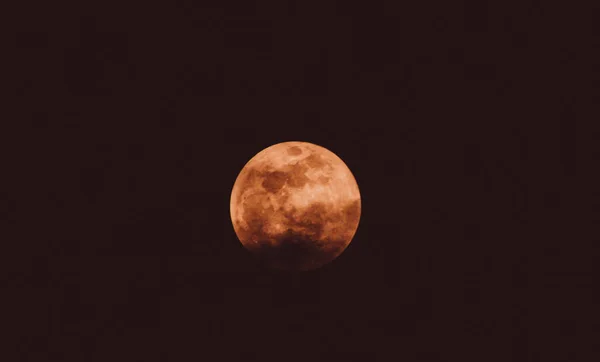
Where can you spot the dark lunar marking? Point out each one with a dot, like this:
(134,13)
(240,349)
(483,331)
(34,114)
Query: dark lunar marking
(296,251)
(313,219)
(294,151)
(352,213)
(297,178)
(324,180)
(315,161)
(255,214)
(251,175)
(274,181)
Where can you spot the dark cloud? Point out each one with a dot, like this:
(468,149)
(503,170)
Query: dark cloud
(296,251)
(304,245)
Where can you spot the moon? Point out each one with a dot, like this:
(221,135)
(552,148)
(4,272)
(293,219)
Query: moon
(296,206)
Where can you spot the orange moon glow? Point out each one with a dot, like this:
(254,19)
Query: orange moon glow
(295,205)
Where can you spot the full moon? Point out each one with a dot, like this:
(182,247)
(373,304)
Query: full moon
(295,205)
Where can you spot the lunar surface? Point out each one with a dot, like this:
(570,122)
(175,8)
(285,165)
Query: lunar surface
(296,206)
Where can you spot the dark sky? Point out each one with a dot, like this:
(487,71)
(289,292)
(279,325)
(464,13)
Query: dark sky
(457,120)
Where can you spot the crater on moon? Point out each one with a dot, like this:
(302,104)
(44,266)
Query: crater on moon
(295,205)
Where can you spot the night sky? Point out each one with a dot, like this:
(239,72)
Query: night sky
(456,119)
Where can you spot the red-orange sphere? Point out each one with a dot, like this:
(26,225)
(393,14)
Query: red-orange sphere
(295,205)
